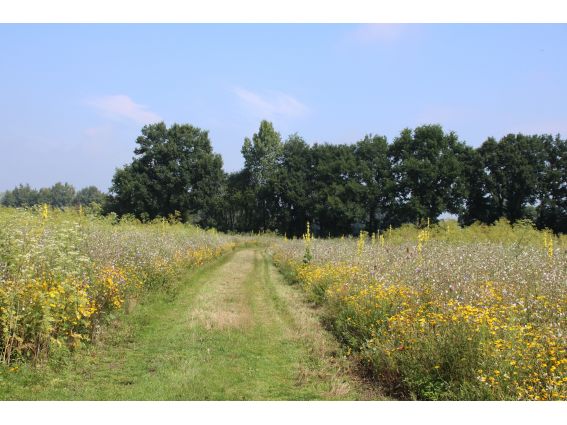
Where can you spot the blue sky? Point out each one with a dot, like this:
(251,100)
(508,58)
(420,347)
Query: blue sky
(73,98)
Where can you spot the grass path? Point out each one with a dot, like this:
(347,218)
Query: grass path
(233,331)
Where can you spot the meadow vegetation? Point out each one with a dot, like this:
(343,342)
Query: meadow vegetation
(432,312)
(443,312)
(62,273)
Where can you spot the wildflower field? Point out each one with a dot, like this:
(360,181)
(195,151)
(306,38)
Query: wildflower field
(63,272)
(443,312)
(436,312)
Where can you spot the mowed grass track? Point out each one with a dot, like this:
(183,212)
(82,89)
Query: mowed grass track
(232,331)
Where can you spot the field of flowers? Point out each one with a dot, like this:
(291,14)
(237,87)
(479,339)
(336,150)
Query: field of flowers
(63,272)
(441,312)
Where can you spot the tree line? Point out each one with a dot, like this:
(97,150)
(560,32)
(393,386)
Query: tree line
(59,195)
(342,188)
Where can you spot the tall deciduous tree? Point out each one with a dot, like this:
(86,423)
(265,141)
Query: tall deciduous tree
(239,203)
(552,185)
(428,174)
(375,175)
(61,195)
(174,169)
(88,195)
(294,186)
(479,206)
(336,189)
(262,156)
(21,196)
(511,170)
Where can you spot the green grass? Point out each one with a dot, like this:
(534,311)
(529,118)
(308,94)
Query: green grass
(231,330)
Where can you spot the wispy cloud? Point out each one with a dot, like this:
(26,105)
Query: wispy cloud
(121,106)
(378,33)
(271,104)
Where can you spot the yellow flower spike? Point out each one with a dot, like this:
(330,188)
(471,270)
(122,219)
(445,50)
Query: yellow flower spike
(44,212)
(360,243)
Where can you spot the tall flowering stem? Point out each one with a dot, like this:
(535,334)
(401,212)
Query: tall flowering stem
(360,243)
(307,257)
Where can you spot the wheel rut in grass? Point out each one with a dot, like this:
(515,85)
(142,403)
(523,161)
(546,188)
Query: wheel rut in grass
(234,331)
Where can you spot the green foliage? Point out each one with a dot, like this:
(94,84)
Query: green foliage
(552,185)
(174,169)
(293,188)
(342,189)
(60,195)
(511,168)
(375,176)
(88,196)
(428,174)
(519,177)
(336,189)
(21,196)
(262,156)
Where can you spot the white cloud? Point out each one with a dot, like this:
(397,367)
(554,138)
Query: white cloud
(271,104)
(382,33)
(121,106)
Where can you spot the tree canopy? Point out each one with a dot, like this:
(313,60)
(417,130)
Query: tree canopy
(174,169)
(59,195)
(428,173)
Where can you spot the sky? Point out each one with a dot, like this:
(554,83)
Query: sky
(74,98)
